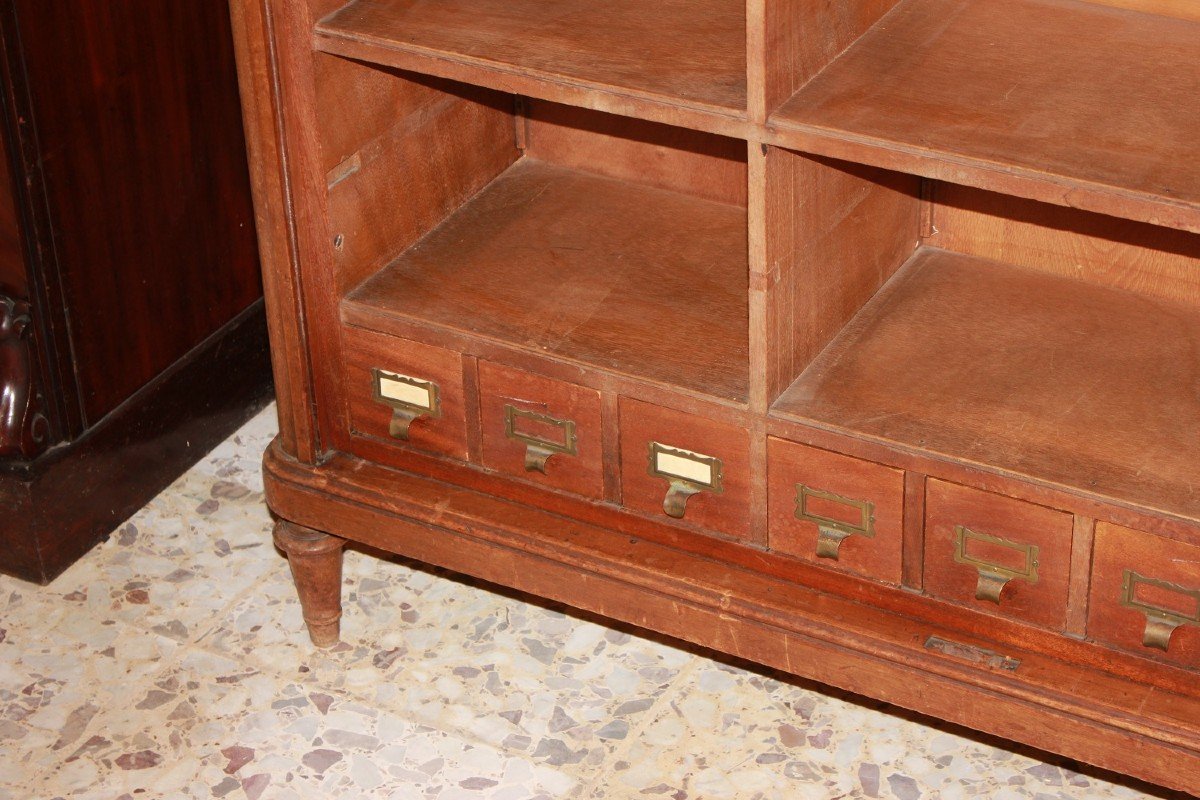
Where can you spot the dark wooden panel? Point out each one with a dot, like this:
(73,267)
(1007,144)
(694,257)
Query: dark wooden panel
(137,144)
(13,279)
(54,509)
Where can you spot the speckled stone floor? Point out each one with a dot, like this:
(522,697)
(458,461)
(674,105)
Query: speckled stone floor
(171,663)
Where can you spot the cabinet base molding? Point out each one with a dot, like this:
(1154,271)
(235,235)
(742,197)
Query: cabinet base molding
(1077,709)
(60,505)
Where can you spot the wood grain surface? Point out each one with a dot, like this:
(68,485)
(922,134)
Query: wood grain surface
(366,351)
(624,277)
(1020,89)
(878,556)
(1109,620)
(672,52)
(1076,384)
(949,506)
(581,472)
(642,423)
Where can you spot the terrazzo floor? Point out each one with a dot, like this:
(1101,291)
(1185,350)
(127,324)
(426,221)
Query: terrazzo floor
(172,663)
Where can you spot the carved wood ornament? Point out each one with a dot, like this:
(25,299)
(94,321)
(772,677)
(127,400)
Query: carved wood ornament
(24,429)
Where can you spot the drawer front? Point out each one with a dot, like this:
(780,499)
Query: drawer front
(835,510)
(541,429)
(1145,595)
(997,554)
(677,465)
(404,392)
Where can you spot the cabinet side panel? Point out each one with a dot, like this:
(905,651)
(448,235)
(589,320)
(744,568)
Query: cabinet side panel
(401,152)
(147,192)
(258,81)
(835,233)
(1157,262)
(801,38)
(12,253)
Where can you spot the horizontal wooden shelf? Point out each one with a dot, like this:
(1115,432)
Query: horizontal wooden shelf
(1062,101)
(631,279)
(1090,388)
(677,61)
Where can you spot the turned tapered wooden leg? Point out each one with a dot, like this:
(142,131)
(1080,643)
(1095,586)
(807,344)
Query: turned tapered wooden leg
(316,562)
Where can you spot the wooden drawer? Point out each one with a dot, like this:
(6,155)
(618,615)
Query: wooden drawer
(686,467)
(1145,595)
(997,554)
(405,392)
(836,510)
(541,429)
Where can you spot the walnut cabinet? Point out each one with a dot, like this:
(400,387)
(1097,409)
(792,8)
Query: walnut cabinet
(858,339)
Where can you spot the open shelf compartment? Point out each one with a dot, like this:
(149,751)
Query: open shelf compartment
(1067,102)
(625,277)
(674,61)
(1092,388)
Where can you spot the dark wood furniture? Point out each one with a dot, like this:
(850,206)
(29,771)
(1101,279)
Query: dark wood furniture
(132,335)
(858,339)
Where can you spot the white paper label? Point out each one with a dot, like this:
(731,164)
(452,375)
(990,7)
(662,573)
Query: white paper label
(696,471)
(393,388)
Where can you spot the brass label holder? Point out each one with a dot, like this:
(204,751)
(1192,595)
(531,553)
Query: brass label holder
(994,577)
(832,532)
(409,398)
(538,449)
(1160,622)
(972,653)
(687,473)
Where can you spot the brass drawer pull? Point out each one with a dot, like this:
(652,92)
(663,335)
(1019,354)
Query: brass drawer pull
(539,448)
(687,473)
(831,532)
(1160,622)
(409,399)
(994,577)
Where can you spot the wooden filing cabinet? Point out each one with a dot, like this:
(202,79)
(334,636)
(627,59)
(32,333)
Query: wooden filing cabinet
(857,339)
